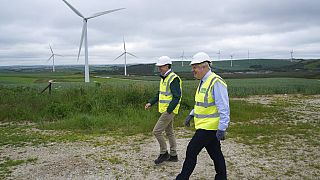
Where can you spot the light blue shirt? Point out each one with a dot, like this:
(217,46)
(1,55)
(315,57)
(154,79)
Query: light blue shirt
(220,95)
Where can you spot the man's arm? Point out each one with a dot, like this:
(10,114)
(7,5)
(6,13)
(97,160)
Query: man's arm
(220,94)
(155,99)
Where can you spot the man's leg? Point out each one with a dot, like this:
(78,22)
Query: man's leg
(214,150)
(194,147)
(170,134)
(158,131)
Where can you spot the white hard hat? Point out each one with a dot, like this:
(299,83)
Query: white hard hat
(163,60)
(200,57)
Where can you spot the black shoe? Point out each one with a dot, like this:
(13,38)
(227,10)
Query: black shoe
(173,158)
(162,157)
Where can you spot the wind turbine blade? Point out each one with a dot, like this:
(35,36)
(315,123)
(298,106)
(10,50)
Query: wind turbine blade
(50,57)
(58,55)
(104,12)
(84,29)
(73,9)
(132,54)
(124,45)
(119,56)
(50,48)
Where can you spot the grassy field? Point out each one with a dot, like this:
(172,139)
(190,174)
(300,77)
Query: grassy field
(95,106)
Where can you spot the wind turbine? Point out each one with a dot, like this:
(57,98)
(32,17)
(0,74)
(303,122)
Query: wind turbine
(52,57)
(291,52)
(84,34)
(231,57)
(182,58)
(125,57)
(219,54)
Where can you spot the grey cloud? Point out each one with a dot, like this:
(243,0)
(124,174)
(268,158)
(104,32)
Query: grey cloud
(153,28)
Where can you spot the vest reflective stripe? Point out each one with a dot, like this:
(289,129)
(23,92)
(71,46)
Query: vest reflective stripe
(167,92)
(205,104)
(165,101)
(206,114)
(165,95)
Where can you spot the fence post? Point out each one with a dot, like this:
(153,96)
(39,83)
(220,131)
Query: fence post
(49,86)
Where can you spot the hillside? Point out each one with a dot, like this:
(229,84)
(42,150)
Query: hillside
(239,69)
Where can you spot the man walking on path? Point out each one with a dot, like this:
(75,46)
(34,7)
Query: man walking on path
(168,98)
(211,116)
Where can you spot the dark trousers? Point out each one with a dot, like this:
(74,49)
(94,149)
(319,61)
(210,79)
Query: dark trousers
(203,138)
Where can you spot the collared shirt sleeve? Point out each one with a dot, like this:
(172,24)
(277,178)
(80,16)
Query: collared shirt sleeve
(220,94)
(155,99)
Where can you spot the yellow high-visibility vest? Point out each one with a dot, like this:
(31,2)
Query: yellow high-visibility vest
(206,115)
(165,95)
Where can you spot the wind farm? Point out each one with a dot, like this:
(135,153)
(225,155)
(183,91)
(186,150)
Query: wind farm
(74,108)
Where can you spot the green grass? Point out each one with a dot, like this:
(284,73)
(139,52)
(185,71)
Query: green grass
(257,124)
(117,105)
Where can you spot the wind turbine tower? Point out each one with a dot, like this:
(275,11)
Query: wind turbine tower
(219,55)
(182,58)
(52,57)
(231,57)
(125,57)
(84,34)
(291,52)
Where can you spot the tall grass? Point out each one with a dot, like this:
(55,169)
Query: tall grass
(112,105)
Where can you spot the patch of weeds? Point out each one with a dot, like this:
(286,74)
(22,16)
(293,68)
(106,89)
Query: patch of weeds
(315,165)
(8,164)
(242,111)
(22,135)
(289,173)
(113,159)
(104,143)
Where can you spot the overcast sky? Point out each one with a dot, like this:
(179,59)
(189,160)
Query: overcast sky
(265,28)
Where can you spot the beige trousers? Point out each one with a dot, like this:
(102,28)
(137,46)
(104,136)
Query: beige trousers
(165,123)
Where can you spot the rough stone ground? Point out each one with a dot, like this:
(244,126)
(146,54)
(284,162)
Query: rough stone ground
(132,157)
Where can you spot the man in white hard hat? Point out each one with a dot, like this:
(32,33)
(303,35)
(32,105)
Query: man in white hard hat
(168,98)
(211,116)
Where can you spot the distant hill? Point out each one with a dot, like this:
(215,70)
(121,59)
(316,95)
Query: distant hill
(240,68)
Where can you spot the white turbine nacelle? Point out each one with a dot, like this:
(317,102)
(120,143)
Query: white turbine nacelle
(125,57)
(84,35)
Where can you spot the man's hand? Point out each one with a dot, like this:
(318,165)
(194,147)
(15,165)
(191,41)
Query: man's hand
(187,121)
(220,135)
(147,106)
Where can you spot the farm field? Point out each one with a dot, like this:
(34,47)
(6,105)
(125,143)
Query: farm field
(100,130)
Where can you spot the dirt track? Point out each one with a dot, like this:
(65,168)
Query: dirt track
(129,161)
